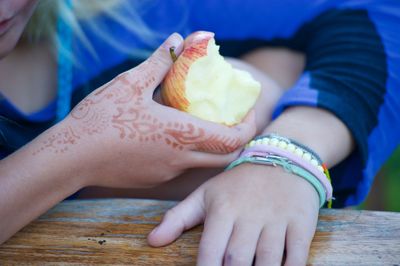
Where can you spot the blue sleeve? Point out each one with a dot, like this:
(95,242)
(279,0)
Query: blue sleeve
(352,69)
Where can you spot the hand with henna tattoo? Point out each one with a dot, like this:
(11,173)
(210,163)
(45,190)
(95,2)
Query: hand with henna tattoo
(116,137)
(133,141)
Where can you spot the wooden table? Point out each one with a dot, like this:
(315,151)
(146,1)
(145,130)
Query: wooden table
(113,231)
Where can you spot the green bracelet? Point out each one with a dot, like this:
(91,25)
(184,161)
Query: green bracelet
(289,167)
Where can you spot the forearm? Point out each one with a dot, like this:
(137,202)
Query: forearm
(316,128)
(31,182)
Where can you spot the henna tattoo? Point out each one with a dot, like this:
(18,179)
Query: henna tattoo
(94,118)
(132,123)
(132,94)
(119,104)
(178,135)
(147,71)
(82,110)
(59,141)
(197,137)
(219,144)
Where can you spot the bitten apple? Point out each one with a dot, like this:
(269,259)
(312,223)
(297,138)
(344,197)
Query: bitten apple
(203,84)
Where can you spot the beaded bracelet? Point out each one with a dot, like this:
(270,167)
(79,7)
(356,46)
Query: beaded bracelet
(273,150)
(305,149)
(285,164)
(298,154)
(290,147)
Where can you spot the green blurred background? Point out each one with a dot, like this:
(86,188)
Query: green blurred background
(385,193)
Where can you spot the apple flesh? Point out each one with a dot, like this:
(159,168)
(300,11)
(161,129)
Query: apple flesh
(203,84)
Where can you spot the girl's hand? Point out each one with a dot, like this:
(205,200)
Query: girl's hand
(125,139)
(249,211)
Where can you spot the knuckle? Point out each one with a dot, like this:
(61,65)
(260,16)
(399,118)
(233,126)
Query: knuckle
(122,76)
(221,206)
(265,252)
(269,254)
(170,214)
(300,243)
(159,59)
(236,258)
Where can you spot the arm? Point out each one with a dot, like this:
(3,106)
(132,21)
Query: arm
(293,202)
(31,184)
(112,139)
(264,209)
(320,130)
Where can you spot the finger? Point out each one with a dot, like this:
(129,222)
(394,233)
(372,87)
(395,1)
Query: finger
(222,139)
(198,35)
(298,242)
(242,244)
(205,136)
(270,246)
(185,215)
(206,160)
(151,72)
(215,237)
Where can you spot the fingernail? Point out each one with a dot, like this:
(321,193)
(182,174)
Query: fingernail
(198,36)
(174,41)
(155,230)
(202,35)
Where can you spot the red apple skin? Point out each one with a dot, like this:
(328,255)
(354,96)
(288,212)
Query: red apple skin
(173,87)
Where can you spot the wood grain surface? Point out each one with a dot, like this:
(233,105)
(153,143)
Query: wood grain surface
(113,232)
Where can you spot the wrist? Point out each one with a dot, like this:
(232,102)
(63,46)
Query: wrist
(317,129)
(294,157)
(61,164)
(34,179)
(287,184)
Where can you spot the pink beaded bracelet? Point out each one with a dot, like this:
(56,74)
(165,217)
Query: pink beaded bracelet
(264,149)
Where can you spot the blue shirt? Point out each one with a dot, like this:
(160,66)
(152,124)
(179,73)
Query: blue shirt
(352,67)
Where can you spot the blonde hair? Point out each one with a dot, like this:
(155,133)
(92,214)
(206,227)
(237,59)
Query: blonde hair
(43,24)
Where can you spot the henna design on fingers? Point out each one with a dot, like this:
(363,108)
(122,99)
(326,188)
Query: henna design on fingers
(196,136)
(147,72)
(218,144)
(121,88)
(131,94)
(178,135)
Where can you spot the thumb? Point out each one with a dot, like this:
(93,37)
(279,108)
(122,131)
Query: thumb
(247,128)
(151,72)
(187,214)
(223,139)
